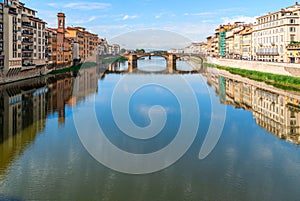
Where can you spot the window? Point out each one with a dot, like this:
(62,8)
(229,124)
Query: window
(292,29)
(292,37)
(292,21)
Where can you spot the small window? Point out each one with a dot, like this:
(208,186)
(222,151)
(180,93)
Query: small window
(292,29)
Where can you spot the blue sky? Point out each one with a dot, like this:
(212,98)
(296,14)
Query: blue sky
(193,19)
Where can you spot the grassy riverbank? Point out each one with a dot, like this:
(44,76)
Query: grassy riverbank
(113,59)
(74,68)
(280,81)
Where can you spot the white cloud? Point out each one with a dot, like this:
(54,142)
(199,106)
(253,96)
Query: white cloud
(82,5)
(129,17)
(164,14)
(239,18)
(215,12)
(82,21)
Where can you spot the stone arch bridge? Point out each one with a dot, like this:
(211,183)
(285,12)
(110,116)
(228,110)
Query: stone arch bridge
(170,58)
(133,58)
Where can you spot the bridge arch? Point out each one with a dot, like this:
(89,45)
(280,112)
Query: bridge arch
(170,59)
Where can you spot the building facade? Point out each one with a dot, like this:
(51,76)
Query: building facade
(24,41)
(246,43)
(293,53)
(272,33)
(87,42)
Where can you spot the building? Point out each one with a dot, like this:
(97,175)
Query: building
(1,39)
(209,47)
(23,38)
(272,33)
(196,48)
(87,43)
(212,46)
(51,47)
(246,43)
(229,43)
(175,51)
(59,47)
(105,49)
(71,44)
(116,49)
(293,53)
(64,44)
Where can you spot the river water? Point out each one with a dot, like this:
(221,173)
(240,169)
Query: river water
(236,139)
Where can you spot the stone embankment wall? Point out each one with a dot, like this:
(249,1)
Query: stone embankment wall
(268,67)
(24,75)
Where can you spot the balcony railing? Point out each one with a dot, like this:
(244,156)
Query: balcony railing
(27,33)
(12,11)
(27,50)
(27,41)
(26,56)
(27,24)
(267,53)
(28,64)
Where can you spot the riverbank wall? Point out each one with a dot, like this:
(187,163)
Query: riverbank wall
(267,67)
(23,75)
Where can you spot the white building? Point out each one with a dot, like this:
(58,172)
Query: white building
(273,32)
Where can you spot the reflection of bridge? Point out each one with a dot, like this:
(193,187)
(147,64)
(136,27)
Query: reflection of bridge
(115,68)
(170,59)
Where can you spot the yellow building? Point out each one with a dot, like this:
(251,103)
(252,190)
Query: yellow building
(88,42)
(246,43)
(293,53)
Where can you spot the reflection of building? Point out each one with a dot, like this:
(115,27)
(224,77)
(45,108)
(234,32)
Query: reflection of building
(24,107)
(275,110)
(60,92)
(86,84)
(21,106)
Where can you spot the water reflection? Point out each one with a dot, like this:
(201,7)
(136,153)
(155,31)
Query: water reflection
(26,105)
(275,110)
(41,157)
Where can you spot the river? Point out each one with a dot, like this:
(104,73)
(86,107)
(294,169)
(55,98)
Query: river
(166,136)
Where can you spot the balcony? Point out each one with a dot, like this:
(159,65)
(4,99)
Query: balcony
(27,50)
(27,25)
(26,41)
(27,33)
(267,53)
(12,11)
(28,64)
(26,56)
